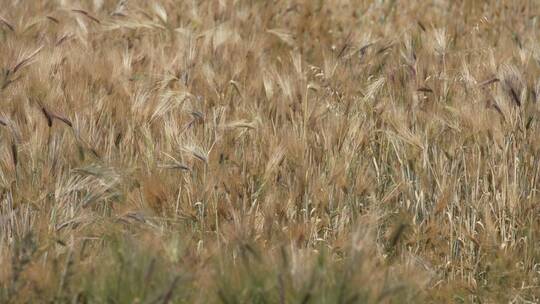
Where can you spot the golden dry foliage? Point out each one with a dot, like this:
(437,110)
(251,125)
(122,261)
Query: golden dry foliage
(269,151)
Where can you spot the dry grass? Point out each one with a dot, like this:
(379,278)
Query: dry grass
(269,152)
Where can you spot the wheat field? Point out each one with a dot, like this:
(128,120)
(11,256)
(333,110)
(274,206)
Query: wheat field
(252,151)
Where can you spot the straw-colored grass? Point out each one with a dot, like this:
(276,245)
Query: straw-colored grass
(243,151)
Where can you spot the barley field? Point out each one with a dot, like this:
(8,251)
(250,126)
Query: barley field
(252,151)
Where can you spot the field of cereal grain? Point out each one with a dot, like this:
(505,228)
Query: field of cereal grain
(251,151)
